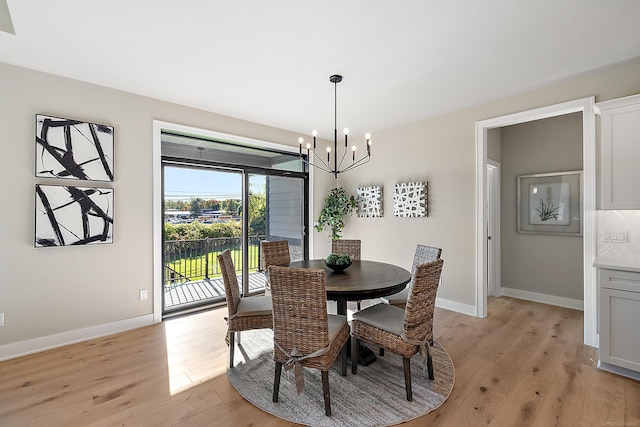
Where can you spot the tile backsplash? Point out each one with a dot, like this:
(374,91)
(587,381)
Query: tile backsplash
(611,223)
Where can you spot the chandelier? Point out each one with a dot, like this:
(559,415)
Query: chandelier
(327,165)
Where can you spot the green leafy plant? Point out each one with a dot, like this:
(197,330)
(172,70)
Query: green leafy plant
(546,210)
(337,204)
(338,259)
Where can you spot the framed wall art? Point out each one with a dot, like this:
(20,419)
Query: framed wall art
(369,201)
(550,203)
(67,215)
(73,149)
(410,199)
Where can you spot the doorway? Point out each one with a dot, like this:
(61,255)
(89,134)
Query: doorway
(218,192)
(584,106)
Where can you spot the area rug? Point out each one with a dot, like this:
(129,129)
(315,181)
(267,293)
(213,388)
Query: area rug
(375,396)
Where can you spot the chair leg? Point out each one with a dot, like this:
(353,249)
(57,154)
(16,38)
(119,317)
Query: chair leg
(276,381)
(358,305)
(325,392)
(430,366)
(381,351)
(343,356)
(355,353)
(232,348)
(406,363)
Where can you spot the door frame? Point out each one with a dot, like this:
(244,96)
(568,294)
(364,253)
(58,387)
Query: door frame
(494,287)
(586,107)
(158,221)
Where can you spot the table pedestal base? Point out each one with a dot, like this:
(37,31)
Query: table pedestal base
(366,356)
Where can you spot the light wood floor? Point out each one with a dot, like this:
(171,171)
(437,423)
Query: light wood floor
(523,365)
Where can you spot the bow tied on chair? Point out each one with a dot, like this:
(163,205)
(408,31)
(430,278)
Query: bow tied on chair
(424,347)
(295,357)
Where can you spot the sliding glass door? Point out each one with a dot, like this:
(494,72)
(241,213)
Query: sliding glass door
(201,219)
(210,207)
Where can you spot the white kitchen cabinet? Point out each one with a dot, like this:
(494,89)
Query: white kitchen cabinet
(620,152)
(619,320)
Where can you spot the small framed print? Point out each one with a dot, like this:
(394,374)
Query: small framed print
(550,203)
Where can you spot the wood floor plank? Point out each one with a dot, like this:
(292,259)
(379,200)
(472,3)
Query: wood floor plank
(524,364)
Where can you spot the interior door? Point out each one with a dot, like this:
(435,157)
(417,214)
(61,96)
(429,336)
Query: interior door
(493,229)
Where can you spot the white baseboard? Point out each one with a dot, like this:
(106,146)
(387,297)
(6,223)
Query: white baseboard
(619,370)
(458,307)
(543,298)
(22,348)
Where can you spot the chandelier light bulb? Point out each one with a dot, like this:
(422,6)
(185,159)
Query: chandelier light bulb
(346,131)
(314,133)
(367,136)
(300,140)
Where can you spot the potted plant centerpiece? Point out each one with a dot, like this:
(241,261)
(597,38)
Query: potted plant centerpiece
(337,204)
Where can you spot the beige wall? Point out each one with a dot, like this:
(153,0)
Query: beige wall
(49,291)
(494,144)
(441,150)
(545,264)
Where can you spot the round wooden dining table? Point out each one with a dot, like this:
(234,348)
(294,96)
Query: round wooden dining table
(361,280)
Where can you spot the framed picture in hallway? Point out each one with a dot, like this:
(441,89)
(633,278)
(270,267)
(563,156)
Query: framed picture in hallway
(550,203)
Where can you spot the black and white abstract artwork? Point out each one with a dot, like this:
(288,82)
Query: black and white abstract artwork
(73,149)
(410,200)
(68,215)
(369,201)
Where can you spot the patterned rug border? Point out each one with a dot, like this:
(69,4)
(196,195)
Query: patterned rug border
(355,400)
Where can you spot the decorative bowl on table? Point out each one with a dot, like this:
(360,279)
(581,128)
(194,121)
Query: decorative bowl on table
(338,262)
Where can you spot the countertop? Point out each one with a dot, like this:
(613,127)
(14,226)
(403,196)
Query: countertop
(626,264)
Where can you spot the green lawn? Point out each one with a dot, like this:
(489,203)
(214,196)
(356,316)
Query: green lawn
(194,267)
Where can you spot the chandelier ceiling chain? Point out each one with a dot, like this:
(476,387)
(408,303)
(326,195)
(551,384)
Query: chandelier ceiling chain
(319,162)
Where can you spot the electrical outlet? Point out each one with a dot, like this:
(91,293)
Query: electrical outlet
(1,319)
(143,295)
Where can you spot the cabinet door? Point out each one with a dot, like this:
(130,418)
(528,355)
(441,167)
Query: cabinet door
(620,328)
(620,153)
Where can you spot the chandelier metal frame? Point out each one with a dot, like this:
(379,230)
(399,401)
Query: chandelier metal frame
(326,165)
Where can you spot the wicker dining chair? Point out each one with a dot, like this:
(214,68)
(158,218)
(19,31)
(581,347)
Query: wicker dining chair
(245,313)
(423,254)
(303,333)
(403,332)
(349,247)
(275,252)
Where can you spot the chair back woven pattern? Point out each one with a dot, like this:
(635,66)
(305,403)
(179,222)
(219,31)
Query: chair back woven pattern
(300,314)
(230,280)
(347,246)
(274,253)
(423,254)
(418,314)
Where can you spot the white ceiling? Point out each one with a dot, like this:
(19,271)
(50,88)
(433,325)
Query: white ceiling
(270,61)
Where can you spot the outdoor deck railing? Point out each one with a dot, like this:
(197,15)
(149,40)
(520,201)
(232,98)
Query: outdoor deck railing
(196,259)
